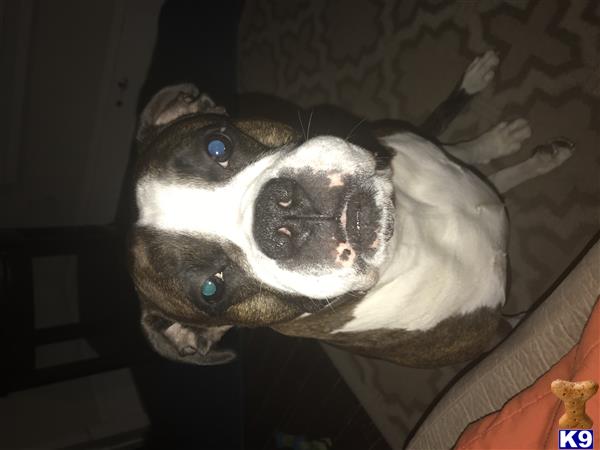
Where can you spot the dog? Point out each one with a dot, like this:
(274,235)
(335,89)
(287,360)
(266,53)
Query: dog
(390,246)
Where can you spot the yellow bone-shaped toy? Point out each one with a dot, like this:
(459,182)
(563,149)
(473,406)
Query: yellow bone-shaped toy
(574,395)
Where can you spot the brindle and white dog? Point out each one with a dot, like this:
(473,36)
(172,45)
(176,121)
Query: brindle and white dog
(386,245)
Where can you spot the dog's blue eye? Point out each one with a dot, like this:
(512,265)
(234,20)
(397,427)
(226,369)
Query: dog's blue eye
(216,148)
(212,288)
(219,147)
(209,288)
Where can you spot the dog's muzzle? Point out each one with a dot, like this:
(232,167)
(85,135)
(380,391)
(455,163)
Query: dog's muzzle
(287,218)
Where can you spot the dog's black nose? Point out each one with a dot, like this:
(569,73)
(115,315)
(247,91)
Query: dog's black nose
(284,218)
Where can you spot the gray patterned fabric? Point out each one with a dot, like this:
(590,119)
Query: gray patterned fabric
(398,59)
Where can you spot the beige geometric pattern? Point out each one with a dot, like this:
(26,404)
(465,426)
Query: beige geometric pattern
(398,59)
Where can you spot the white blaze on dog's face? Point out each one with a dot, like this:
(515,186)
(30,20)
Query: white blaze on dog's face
(310,220)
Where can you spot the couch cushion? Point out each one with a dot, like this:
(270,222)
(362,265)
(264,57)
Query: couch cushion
(530,419)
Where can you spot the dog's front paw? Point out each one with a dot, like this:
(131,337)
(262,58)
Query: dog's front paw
(504,139)
(509,136)
(480,72)
(549,156)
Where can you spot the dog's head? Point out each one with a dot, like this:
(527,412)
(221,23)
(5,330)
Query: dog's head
(242,222)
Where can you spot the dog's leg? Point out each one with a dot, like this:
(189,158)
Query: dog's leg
(477,76)
(545,158)
(480,72)
(504,139)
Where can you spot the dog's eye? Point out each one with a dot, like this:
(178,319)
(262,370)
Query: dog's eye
(213,288)
(219,147)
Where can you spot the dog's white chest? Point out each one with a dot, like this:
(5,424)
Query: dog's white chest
(448,253)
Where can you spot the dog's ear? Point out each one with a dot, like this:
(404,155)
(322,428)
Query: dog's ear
(171,103)
(193,345)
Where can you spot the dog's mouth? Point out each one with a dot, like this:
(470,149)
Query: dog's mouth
(361,220)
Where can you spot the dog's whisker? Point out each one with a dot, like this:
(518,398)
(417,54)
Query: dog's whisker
(355,127)
(302,126)
(309,122)
(329,304)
